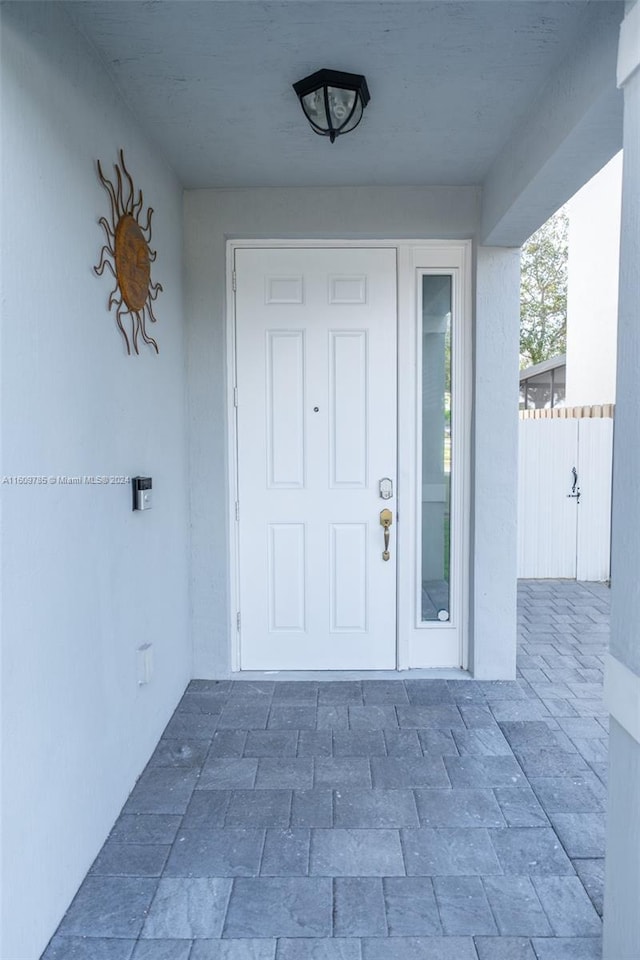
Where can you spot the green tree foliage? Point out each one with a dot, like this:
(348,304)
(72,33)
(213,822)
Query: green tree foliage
(543,292)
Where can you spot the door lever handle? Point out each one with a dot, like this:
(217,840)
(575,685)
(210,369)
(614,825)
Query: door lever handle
(386,519)
(575,489)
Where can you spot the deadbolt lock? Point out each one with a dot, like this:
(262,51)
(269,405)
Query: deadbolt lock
(386,488)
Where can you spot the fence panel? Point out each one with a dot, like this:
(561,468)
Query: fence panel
(559,536)
(595,450)
(547,521)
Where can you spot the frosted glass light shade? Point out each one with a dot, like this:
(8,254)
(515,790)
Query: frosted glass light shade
(333,102)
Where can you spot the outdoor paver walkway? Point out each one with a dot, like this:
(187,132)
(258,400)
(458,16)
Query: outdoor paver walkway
(373,820)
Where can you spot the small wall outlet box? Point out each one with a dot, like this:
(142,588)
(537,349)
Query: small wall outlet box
(144,656)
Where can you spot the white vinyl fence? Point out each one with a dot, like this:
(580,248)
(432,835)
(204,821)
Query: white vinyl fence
(564,493)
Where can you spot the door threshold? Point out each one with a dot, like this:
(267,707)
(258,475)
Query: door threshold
(432,673)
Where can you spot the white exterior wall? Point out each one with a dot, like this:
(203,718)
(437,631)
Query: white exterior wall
(85,580)
(212,217)
(622,678)
(494,508)
(592,289)
(572,129)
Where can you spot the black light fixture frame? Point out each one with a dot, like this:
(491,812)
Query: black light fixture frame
(323,79)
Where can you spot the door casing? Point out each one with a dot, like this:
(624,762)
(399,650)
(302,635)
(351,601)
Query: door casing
(418,645)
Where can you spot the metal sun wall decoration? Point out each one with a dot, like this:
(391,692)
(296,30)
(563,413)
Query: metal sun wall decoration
(128,256)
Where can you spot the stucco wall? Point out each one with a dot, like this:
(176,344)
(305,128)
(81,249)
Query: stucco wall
(85,580)
(212,217)
(622,680)
(625,551)
(622,863)
(494,504)
(592,300)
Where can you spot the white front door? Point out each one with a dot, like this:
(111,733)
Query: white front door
(316,427)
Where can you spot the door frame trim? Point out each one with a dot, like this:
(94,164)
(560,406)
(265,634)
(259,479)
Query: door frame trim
(417,259)
(451,255)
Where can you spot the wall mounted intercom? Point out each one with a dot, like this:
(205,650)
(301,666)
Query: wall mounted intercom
(141,493)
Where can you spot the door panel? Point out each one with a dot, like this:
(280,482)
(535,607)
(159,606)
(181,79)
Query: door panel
(316,419)
(560,534)
(284,405)
(595,456)
(348,427)
(547,518)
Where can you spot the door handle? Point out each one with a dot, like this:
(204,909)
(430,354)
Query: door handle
(386,519)
(575,489)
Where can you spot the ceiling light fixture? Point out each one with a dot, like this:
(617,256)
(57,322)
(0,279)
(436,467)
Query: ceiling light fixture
(333,102)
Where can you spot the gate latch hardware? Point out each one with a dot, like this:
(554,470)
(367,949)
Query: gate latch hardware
(575,489)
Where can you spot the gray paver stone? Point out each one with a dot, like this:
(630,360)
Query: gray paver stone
(463,906)
(568,908)
(233,950)
(530,851)
(286,853)
(84,948)
(504,948)
(163,950)
(359,907)
(419,948)
(356,853)
(411,907)
(458,807)
(582,834)
(231,852)
(516,907)
(449,852)
(109,907)
(280,907)
(312,808)
(337,948)
(569,948)
(185,909)
(591,872)
(375,808)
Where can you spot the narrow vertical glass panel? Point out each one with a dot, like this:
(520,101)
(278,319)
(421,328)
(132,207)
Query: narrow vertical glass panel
(436,448)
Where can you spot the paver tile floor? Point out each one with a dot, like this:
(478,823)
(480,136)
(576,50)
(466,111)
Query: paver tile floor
(372,820)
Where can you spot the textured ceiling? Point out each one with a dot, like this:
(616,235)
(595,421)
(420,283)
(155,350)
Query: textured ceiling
(210,83)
